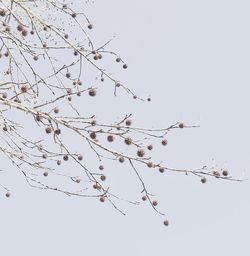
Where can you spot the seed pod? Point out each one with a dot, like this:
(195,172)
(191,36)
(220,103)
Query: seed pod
(155,203)
(121,159)
(144,198)
(203,180)
(65,157)
(7,194)
(92,135)
(181,125)
(166,222)
(45,174)
(128,141)
(128,122)
(161,169)
(48,129)
(80,157)
(103,177)
(164,142)
(225,173)
(102,199)
(140,152)
(150,147)
(92,92)
(110,138)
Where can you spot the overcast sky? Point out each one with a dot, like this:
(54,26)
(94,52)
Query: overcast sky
(193,58)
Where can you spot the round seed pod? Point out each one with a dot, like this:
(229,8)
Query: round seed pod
(203,180)
(102,199)
(80,157)
(140,152)
(166,222)
(65,157)
(110,138)
(121,159)
(181,125)
(92,135)
(92,92)
(48,129)
(225,173)
(161,169)
(164,142)
(7,194)
(128,141)
(45,174)
(103,177)
(155,203)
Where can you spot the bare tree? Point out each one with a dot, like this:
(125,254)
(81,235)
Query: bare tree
(43,57)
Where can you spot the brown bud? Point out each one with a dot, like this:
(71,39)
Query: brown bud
(65,157)
(7,194)
(155,203)
(140,152)
(225,173)
(92,92)
(103,177)
(181,125)
(80,157)
(128,141)
(203,180)
(110,138)
(164,142)
(45,174)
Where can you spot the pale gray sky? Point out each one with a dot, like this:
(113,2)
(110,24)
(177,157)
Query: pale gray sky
(193,58)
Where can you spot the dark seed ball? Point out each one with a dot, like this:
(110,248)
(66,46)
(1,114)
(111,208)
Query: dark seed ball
(95,57)
(118,59)
(144,198)
(56,110)
(150,147)
(45,174)
(92,92)
(65,157)
(48,129)
(35,58)
(73,15)
(164,142)
(181,125)
(20,27)
(78,180)
(161,169)
(101,167)
(203,180)
(2,12)
(90,26)
(38,117)
(225,173)
(7,194)
(155,203)
(92,135)
(78,94)
(166,222)
(68,75)
(128,141)
(24,88)
(102,79)
(69,98)
(121,159)
(58,162)
(128,122)
(150,164)
(45,156)
(125,66)
(140,152)
(110,138)
(103,177)
(80,157)
(32,32)
(24,32)
(66,36)
(216,174)
(102,199)
(57,131)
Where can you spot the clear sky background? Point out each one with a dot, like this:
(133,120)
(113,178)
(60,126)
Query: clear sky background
(193,59)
